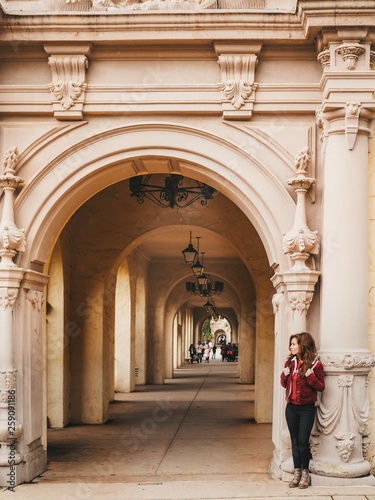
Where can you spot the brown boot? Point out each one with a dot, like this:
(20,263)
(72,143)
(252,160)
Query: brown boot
(305,479)
(296,478)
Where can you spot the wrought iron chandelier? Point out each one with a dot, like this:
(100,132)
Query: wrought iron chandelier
(172,194)
(204,285)
(210,308)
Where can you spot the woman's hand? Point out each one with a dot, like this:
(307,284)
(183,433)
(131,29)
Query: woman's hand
(286,371)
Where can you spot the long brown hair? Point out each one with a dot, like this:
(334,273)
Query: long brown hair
(308,351)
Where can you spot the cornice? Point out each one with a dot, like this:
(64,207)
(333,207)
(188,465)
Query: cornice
(332,19)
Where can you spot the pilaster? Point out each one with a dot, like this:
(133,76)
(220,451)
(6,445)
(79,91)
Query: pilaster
(31,363)
(346,117)
(12,240)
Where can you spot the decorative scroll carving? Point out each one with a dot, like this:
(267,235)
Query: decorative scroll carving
(300,241)
(12,239)
(237,91)
(350,53)
(238,72)
(68,78)
(348,361)
(324,58)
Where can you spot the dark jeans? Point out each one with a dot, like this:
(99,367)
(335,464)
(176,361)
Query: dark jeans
(300,420)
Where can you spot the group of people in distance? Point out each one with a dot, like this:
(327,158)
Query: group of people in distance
(202,350)
(229,352)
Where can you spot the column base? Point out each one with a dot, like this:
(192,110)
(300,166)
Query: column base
(316,480)
(25,472)
(35,465)
(10,476)
(339,470)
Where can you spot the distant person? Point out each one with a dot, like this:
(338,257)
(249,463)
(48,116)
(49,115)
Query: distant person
(234,352)
(192,352)
(223,352)
(207,351)
(199,352)
(229,352)
(213,352)
(302,378)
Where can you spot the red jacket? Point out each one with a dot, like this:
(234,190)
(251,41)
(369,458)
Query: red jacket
(307,387)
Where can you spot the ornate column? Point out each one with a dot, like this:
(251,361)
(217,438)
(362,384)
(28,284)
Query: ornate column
(12,240)
(346,118)
(301,244)
(294,293)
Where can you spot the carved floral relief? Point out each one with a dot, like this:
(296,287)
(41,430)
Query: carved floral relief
(68,78)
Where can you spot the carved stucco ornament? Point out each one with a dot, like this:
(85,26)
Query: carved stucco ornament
(352,116)
(144,5)
(345,445)
(300,242)
(68,84)
(324,58)
(348,361)
(147,5)
(350,53)
(346,418)
(12,239)
(8,379)
(352,113)
(36,299)
(277,299)
(237,75)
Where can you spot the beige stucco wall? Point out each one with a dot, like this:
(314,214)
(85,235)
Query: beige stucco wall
(153,102)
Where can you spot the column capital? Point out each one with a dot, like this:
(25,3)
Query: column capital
(346,117)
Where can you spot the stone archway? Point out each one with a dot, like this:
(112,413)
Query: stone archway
(108,167)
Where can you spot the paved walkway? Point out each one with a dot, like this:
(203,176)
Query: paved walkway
(193,438)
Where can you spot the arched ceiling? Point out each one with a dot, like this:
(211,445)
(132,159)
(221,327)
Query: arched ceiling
(112,224)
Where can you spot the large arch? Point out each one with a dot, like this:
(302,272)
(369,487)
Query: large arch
(57,192)
(85,167)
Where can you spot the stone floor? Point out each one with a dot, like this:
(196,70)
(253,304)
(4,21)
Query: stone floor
(192,438)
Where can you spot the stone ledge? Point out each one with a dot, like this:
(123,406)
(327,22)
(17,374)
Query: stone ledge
(28,6)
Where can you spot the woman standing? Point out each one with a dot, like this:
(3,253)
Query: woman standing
(302,377)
